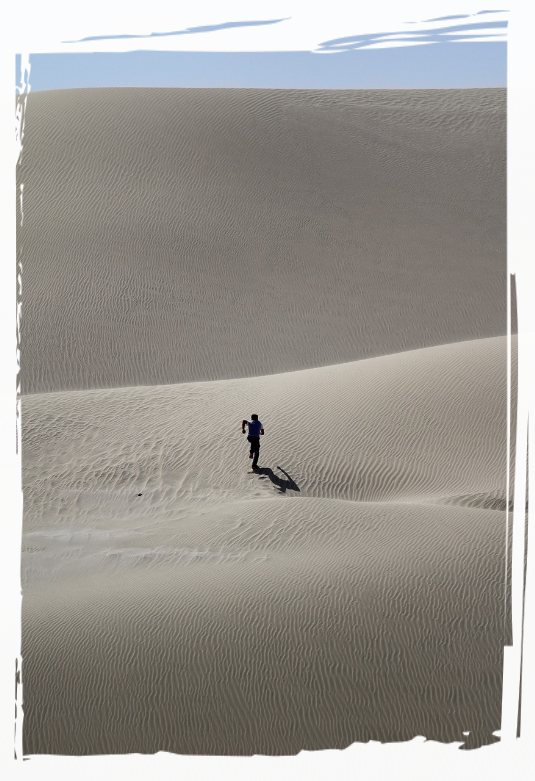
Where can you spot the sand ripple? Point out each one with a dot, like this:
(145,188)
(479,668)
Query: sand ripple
(190,257)
(306,223)
(352,590)
(361,622)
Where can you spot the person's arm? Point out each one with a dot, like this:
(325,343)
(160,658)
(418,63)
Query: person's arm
(243,426)
(261,430)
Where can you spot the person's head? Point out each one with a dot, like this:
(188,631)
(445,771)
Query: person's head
(254,417)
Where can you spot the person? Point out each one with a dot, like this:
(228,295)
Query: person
(256,430)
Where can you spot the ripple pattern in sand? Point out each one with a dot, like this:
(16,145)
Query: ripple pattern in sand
(173,236)
(350,591)
(359,622)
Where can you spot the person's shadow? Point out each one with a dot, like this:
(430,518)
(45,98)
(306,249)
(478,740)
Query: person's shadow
(282,485)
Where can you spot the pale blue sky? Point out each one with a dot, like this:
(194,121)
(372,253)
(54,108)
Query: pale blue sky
(52,44)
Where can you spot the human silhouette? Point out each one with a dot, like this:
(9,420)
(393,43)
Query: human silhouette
(256,430)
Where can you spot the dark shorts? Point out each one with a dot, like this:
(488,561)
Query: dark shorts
(255,443)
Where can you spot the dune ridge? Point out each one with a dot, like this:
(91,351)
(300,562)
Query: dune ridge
(358,435)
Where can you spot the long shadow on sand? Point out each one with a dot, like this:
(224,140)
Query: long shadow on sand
(282,485)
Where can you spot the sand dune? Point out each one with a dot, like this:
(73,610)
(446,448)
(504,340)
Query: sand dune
(393,633)
(360,608)
(330,617)
(417,426)
(172,236)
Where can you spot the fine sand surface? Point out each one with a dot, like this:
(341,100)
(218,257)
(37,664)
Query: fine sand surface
(156,236)
(334,261)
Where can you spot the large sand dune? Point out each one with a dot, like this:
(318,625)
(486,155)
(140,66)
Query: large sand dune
(172,236)
(361,608)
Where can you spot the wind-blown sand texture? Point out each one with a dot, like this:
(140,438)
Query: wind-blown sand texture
(353,589)
(174,236)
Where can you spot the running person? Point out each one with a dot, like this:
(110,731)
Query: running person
(256,430)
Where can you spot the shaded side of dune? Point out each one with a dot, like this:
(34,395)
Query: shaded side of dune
(172,235)
(394,631)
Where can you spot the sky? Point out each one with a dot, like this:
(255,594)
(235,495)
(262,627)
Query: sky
(335,44)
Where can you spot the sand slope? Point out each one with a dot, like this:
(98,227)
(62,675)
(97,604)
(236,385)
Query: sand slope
(172,236)
(419,426)
(356,267)
(347,592)
(392,633)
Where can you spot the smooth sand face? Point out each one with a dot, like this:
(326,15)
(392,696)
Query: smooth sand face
(189,258)
(183,235)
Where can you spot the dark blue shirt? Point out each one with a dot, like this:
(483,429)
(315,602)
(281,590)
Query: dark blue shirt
(254,427)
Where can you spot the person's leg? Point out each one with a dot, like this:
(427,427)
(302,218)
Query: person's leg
(256,451)
(250,441)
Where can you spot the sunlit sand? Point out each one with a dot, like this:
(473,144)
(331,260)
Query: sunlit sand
(356,268)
